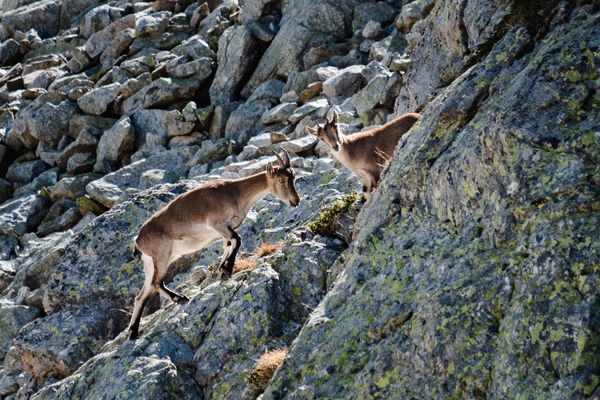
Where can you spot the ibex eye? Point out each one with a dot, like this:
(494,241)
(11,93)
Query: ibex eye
(282,181)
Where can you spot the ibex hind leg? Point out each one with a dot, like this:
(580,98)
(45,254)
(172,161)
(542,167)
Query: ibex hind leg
(142,298)
(161,261)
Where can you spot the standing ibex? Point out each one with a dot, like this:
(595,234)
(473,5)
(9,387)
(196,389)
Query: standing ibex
(195,219)
(365,153)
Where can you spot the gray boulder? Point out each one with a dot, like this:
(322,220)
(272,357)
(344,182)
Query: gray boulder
(237,54)
(245,120)
(194,48)
(114,145)
(45,179)
(96,102)
(278,113)
(158,376)
(117,46)
(42,79)
(198,69)
(112,188)
(64,221)
(24,172)
(411,13)
(71,187)
(12,319)
(304,24)
(377,11)
(55,346)
(81,162)
(150,127)
(162,92)
(21,215)
(100,40)
(98,18)
(152,24)
(86,142)
(42,15)
(48,122)
(344,83)
(9,50)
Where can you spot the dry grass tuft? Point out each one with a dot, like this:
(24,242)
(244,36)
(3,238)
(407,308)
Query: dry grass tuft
(266,249)
(245,263)
(265,368)
(248,261)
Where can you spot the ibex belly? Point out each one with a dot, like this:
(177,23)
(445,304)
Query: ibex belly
(203,236)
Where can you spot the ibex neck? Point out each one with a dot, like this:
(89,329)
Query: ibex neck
(255,187)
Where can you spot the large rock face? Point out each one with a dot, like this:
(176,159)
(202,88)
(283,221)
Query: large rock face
(470,276)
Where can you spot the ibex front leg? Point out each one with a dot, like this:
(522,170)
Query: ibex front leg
(231,245)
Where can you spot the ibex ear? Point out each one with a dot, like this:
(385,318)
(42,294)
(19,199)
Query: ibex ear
(334,117)
(270,169)
(311,130)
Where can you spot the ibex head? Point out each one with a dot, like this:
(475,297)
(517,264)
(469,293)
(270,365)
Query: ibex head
(328,132)
(280,178)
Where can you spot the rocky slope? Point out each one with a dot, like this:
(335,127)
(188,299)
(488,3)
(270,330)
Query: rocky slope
(472,272)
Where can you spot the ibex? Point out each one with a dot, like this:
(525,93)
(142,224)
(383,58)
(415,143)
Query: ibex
(199,217)
(365,153)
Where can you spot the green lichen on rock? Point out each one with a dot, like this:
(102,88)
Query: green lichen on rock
(484,235)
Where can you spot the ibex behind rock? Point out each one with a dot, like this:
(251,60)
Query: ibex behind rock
(365,153)
(199,217)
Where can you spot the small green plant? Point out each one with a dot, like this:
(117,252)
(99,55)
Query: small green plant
(325,225)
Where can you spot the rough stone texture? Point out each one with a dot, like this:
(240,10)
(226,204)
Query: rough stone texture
(278,114)
(304,23)
(161,93)
(153,24)
(344,83)
(81,162)
(100,40)
(471,273)
(245,119)
(97,101)
(9,50)
(492,294)
(43,15)
(249,311)
(21,215)
(71,187)
(198,69)
(46,122)
(238,52)
(47,351)
(24,172)
(377,11)
(447,42)
(117,46)
(98,18)
(112,187)
(114,145)
(12,318)
(411,13)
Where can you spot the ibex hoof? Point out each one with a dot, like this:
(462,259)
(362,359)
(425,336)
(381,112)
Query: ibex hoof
(181,300)
(133,336)
(225,275)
